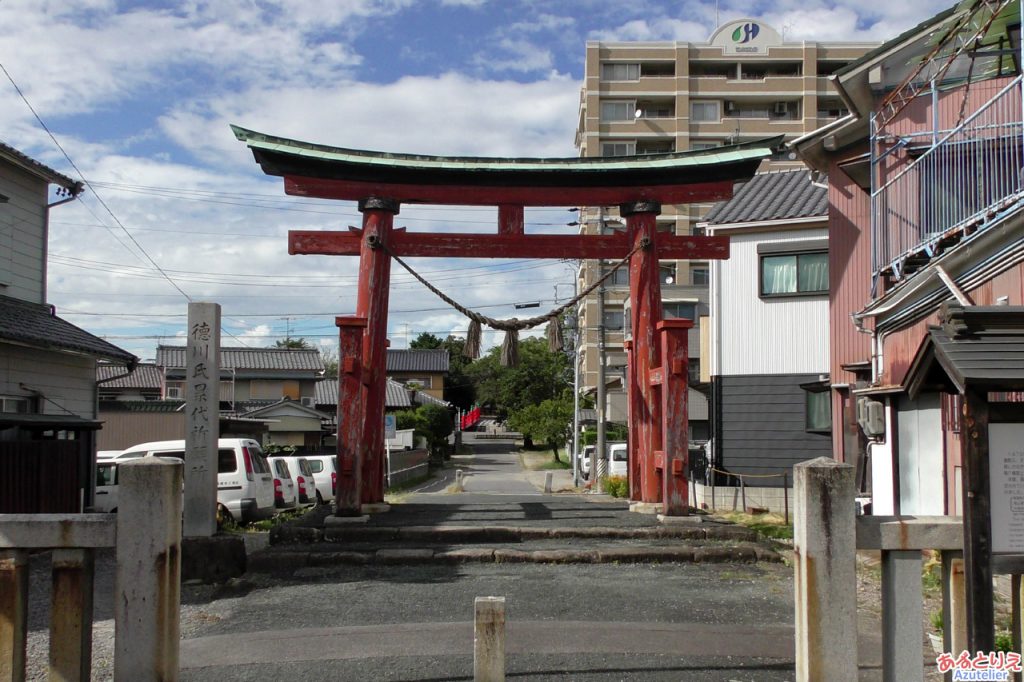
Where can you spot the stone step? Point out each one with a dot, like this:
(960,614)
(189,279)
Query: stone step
(295,559)
(453,534)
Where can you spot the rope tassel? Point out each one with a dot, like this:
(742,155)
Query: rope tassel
(555,342)
(510,348)
(472,348)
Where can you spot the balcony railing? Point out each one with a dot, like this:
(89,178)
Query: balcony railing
(962,183)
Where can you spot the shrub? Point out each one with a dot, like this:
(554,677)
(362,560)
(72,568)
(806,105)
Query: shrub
(616,486)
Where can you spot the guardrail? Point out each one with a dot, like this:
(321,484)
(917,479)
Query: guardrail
(147,536)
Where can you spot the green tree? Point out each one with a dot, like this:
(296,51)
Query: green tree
(431,422)
(293,344)
(426,341)
(547,421)
(540,375)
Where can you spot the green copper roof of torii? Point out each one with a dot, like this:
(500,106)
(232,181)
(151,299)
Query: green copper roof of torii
(737,152)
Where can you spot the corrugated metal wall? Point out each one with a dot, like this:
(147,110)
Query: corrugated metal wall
(786,335)
(121,430)
(40,477)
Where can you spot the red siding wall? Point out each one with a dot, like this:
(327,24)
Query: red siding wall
(849,248)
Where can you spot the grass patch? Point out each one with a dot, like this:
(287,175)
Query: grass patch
(276,520)
(770,526)
(555,465)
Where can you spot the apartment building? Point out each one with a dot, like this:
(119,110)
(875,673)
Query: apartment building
(745,83)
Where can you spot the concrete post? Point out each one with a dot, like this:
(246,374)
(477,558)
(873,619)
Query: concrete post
(71,615)
(547,482)
(460,481)
(954,602)
(825,580)
(902,633)
(202,418)
(13,613)
(489,640)
(147,596)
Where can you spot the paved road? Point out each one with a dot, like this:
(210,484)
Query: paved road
(493,469)
(597,622)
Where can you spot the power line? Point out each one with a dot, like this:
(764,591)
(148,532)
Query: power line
(87,184)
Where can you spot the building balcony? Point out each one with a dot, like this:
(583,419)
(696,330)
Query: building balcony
(929,196)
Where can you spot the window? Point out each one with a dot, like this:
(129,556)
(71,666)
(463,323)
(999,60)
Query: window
(618,148)
(704,111)
(819,411)
(281,468)
(17,405)
(315,465)
(620,278)
(6,247)
(415,382)
(620,71)
(106,474)
(700,146)
(618,110)
(613,320)
(678,310)
(226,462)
(794,268)
(173,392)
(699,275)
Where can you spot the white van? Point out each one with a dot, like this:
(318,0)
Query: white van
(305,488)
(245,486)
(619,465)
(106,486)
(325,474)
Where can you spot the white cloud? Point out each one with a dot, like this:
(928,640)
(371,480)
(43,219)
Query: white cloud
(657,29)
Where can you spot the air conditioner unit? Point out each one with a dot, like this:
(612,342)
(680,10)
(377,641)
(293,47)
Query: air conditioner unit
(871,416)
(730,105)
(307,401)
(781,108)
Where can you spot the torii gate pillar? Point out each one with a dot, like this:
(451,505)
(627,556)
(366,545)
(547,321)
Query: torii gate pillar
(372,305)
(656,375)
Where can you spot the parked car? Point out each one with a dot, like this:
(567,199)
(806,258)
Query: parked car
(245,486)
(106,486)
(286,496)
(619,456)
(584,466)
(325,472)
(302,474)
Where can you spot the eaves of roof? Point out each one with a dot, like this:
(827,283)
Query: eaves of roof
(30,165)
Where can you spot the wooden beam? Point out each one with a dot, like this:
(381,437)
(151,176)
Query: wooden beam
(511,219)
(977,521)
(482,195)
(455,245)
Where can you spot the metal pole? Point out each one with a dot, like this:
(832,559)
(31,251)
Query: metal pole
(785,494)
(743,495)
(597,459)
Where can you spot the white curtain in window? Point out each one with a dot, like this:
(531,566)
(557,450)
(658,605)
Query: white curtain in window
(778,275)
(819,411)
(814,272)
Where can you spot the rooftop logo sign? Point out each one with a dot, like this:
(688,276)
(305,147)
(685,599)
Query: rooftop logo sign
(744,33)
(745,36)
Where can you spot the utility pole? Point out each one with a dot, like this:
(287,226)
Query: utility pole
(597,459)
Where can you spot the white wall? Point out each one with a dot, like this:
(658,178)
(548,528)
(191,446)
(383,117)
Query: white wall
(922,463)
(22,235)
(752,335)
(67,381)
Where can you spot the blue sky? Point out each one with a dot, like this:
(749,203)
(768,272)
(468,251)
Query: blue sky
(140,95)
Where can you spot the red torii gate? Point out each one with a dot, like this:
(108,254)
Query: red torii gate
(657,357)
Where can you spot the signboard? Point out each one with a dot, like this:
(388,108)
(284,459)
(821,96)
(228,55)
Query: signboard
(746,36)
(390,427)
(1006,487)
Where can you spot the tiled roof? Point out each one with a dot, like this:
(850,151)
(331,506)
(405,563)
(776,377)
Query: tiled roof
(32,166)
(406,360)
(300,360)
(140,405)
(36,325)
(146,375)
(397,395)
(772,196)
